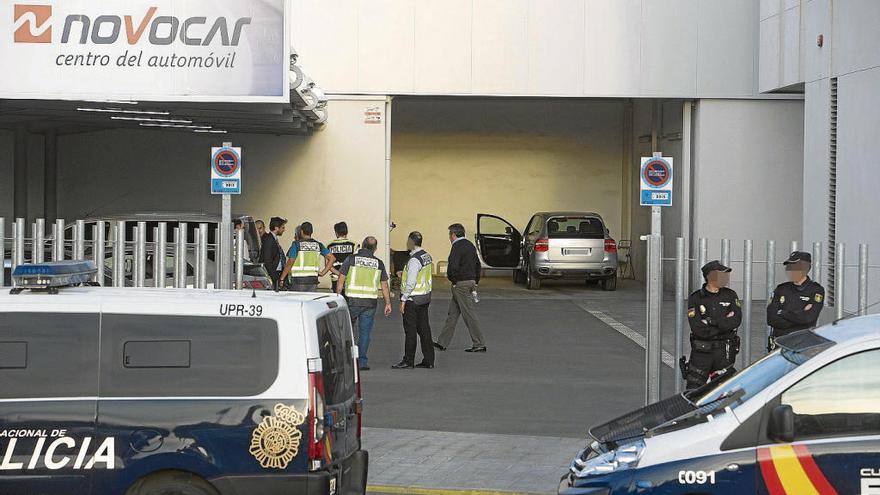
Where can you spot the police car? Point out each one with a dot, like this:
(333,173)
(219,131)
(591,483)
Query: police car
(804,420)
(192,392)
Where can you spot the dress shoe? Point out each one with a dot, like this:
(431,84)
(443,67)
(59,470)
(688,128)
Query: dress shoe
(476,349)
(426,366)
(364,367)
(402,366)
(438,346)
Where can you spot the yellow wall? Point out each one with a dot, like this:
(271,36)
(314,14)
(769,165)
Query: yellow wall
(293,177)
(452,159)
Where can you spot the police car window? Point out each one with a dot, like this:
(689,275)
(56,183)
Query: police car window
(334,339)
(840,399)
(48,355)
(756,377)
(204,356)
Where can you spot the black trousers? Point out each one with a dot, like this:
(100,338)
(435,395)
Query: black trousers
(702,364)
(274,275)
(416,326)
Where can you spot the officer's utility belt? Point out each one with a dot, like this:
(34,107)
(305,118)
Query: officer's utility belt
(708,345)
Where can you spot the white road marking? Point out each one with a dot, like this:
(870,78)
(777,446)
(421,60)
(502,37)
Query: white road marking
(627,332)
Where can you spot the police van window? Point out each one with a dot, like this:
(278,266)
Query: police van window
(840,399)
(575,228)
(334,339)
(46,355)
(203,356)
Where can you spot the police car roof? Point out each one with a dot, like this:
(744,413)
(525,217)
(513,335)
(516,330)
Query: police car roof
(852,330)
(182,295)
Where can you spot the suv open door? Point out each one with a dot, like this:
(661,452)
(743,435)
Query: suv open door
(499,243)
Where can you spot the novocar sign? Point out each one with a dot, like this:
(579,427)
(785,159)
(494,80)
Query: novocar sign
(202,50)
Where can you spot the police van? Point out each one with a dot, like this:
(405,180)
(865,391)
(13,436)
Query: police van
(175,391)
(804,420)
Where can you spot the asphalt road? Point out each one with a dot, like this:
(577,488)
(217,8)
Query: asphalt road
(552,370)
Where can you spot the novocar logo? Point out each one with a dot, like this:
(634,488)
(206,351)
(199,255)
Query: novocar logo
(33,24)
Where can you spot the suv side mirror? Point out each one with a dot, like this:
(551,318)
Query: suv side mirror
(781,425)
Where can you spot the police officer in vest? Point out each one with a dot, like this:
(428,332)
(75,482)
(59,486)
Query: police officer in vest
(340,248)
(361,276)
(714,314)
(795,304)
(304,261)
(415,297)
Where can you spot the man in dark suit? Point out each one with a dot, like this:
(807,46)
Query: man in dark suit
(271,252)
(463,271)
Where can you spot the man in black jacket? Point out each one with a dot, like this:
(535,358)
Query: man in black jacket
(463,271)
(271,252)
(796,304)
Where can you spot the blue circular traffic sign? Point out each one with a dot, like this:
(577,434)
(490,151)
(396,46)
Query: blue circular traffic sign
(226,162)
(656,172)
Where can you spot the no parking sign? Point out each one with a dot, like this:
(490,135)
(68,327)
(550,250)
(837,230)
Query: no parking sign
(656,181)
(225,170)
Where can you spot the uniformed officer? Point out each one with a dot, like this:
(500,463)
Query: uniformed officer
(362,275)
(714,314)
(304,261)
(796,304)
(340,248)
(416,284)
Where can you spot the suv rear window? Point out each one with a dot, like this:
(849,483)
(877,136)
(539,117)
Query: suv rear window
(334,340)
(575,228)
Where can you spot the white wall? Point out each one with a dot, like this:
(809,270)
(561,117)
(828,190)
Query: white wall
(748,177)
(338,173)
(454,158)
(674,48)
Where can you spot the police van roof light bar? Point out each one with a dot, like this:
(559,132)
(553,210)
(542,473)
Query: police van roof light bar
(52,275)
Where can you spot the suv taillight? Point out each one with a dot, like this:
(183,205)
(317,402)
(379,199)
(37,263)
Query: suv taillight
(317,430)
(542,245)
(610,245)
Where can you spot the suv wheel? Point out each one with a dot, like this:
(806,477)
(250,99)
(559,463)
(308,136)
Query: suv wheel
(532,280)
(609,283)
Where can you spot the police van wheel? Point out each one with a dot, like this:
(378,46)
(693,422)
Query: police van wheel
(609,283)
(171,483)
(533,282)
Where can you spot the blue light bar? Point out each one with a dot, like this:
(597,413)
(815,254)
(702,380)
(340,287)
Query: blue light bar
(53,274)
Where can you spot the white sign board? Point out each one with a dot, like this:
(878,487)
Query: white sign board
(225,170)
(656,181)
(151,50)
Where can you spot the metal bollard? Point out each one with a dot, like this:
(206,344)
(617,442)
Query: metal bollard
(771,276)
(817,262)
(747,304)
(99,250)
(180,238)
(794,246)
(18,242)
(197,241)
(217,257)
(202,257)
(863,279)
(239,259)
(39,250)
(3,250)
(140,254)
(653,350)
(119,255)
(79,240)
(58,240)
(680,277)
(160,270)
(839,280)
(725,252)
(701,260)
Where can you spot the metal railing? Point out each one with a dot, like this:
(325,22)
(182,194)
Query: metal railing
(125,253)
(747,286)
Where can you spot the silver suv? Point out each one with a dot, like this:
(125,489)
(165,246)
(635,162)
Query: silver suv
(556,244)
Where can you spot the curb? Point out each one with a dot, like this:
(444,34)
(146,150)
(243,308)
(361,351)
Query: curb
(413,490)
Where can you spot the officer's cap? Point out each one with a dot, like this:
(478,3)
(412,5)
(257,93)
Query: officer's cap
(714,266)
(797,257)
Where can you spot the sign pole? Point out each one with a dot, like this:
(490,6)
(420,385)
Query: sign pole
(226,181)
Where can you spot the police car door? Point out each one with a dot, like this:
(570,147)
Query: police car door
(824,432)
(49,377)
(498,242)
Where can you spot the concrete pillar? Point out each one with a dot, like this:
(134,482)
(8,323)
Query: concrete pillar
(19,174)
(50,176)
